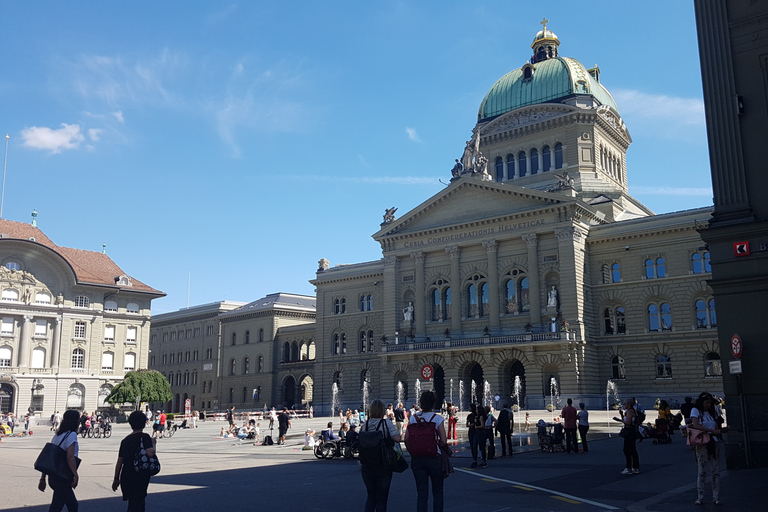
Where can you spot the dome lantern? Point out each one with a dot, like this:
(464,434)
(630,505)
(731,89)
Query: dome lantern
(545,44)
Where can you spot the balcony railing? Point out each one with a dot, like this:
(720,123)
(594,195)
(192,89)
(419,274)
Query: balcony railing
(481,341)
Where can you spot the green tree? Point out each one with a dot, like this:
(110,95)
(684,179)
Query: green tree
(141,386)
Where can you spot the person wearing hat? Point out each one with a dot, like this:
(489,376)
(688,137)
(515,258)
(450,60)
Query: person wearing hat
(583,417)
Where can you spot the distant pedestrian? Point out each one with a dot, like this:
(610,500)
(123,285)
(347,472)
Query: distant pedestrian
(583,416)
(504,427)
(569,424)
(428,469)
(705,416)
(686,409)
(480,418)
(472,433)
(231,418)
(629,433)
(399,417)
(133,484)
(283,424)
(63,489)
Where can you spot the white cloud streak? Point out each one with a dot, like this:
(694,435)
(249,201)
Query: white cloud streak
(674,191)
(119,116)
(411,132)
(94,134)
(48,139)
(660,107)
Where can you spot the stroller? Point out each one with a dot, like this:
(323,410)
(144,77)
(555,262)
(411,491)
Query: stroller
(551,436)
(660,433)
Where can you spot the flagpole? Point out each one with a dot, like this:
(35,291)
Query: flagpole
(5,166)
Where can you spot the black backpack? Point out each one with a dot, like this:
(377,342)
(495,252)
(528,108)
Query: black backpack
(268,441)
(370,445)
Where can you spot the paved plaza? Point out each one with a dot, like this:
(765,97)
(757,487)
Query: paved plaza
(203,473)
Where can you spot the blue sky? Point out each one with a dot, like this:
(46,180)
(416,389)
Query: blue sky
(242,142)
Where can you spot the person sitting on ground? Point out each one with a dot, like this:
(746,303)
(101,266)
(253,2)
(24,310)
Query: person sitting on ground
(242,432)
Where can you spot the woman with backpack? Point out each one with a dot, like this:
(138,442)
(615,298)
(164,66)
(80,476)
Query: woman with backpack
(424,438)
(63,490)
(133,483)
(376,476)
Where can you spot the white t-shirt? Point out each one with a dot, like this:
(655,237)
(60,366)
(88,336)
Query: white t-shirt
(69,438)
(583,416)
(706,419)
(429,416)
(373,424)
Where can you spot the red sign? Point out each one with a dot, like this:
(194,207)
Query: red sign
(741,249)
(737,347)
(427,372)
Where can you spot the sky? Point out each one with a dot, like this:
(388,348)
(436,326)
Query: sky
(221,149)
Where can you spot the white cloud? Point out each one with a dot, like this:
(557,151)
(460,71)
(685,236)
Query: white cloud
(678,111)
(42,137)
(94,134)
(674,191)
(238,70)
(412,134)
(119,116)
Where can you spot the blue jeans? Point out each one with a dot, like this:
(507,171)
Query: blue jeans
(426,469)
(377,480)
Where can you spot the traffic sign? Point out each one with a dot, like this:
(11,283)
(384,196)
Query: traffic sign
(734,367)
(427,372)
(741,249)
(737,347)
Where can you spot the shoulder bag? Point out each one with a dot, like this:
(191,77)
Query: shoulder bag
(143,464)
(392,452)
(53,460)
(698,437)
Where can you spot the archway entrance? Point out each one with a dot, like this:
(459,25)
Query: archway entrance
(551,385)
(473,385)
(6,398)
(289,392)
(513,384)
(439,382)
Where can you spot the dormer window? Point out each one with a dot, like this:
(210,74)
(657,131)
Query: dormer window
(527,72)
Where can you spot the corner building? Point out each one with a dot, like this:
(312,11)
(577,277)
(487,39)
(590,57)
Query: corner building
(534,271)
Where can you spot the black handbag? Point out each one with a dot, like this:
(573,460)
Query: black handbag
(392,453)
(53,460)
(143,464)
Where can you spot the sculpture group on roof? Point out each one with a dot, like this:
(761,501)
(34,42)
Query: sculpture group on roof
(472,161)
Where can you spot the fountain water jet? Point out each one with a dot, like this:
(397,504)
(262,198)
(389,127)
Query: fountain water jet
(487,396)
(517,390)
(451,394)
(461,395)
(365,395)
(473,392)
(554,396)
(334,398)
(418,390)
(400,392)
(611,388)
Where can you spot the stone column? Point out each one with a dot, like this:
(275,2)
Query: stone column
(455,253)
(541,161)
(420,314)
(491,248)
(534,295)
(392,312)
(54,355)
(24,342)
(570,242)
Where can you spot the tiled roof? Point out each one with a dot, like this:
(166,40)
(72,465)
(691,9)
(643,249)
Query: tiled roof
(90,266)
(276,300)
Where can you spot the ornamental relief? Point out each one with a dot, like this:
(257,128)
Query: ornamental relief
(607,115)
(520,120)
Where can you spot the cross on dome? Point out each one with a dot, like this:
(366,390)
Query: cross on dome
(543,23)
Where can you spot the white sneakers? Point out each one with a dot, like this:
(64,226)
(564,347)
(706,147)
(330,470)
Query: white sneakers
(628,471)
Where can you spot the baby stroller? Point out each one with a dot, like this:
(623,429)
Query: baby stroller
(660,433)
(551,436)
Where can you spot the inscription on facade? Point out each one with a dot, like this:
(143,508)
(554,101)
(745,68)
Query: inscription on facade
(504,228)
(407,279)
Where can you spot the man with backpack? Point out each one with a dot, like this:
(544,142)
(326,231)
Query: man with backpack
(425,438)
(504,427)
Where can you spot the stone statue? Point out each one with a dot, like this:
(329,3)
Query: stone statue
(552,297)
(408,312)
(457,169)
(482,164)
(564,181)
(471,152)
(389,215)
(323,264)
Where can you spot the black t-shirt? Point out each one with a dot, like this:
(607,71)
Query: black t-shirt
(686,409)
(130,446)
(230,415)
(471,419)
(282,420)
(399,414)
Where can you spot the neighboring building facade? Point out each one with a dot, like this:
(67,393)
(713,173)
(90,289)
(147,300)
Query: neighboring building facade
(72,324)
(533,274)
(733,47)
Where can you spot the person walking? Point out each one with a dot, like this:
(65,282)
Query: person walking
(64,490)
(428,469)
(472,433)
(504,426)
(283,424)
(583,417)
(569,424)
(490,432)
(399,417)
(704,416)
(132,484)
(376,477)
(481,435)
(629,433)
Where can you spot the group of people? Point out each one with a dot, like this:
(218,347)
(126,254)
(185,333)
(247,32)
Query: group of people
(428,471)
(133,485)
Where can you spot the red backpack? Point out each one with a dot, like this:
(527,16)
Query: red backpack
(422,438)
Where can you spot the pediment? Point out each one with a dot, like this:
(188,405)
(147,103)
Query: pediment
(469,201)
(525,117)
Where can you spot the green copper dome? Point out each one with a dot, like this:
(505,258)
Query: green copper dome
(551,81)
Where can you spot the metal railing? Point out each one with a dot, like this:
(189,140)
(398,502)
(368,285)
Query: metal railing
(449,344)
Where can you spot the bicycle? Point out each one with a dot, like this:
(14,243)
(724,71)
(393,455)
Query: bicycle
(170,430)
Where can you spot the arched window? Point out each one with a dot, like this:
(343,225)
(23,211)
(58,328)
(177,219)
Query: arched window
(247,337)
(245,395)
(659,317)
(713,367)
(617,368)
(472,301)
(616,273)
(261,335)
(260,367)
(510,296)
(436,305)
(614,320)
(109,305)
(370,341)
(606,273)
(234,338)
(707,263)
(524,303)
(522,165)
(663,367)
(705,314)
(510,166)
(336,307)
(547,159)
(558,156)
(447,303)
(534,161)
(621,325)
(336,344)
(484,300)
(700,262)
(78,358)
(38,358)
(107,361)
(649,273)
(294,351)
(286,351)
(343,305)
(608,319)
(499,169)
(311,350)
(362,303)
(232,366)
(246,365)
(660,268)
(129,362)
(81,301)
(5,357)
(132,307)
(343,343)
(363,347)
(231,395)
(10,295)
(370,302)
